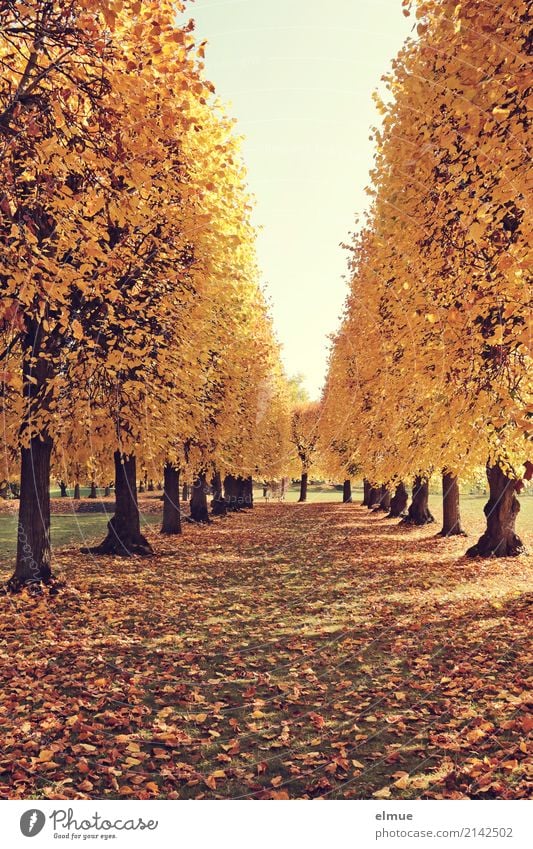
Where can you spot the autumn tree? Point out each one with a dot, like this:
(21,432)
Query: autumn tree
(434,340)
(304,437)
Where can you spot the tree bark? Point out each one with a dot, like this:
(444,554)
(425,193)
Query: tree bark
(63,488)
(230,493)
(366,493)
(151,486)
(198,502)
(33,560)
(385,500)
(93,493)
(218,503)
(374,497)
(419,513)
(248,492)
(124,537)
(185,495)
(501,510)
(107,492)
(33,535)
(171,500)
(303,489)
(451,514)
(76,491)
(398,502)
(347,492)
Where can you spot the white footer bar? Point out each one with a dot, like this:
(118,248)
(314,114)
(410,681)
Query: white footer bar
(266,825)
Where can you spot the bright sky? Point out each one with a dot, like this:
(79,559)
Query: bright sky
(298,75)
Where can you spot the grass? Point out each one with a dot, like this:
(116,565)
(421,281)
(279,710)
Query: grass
(69,530)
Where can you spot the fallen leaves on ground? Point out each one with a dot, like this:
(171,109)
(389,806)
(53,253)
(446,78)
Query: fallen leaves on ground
(295,651)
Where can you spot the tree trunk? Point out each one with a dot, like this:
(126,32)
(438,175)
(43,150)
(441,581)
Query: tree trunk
(124,536)
(218,503)
(33,535)
(248,492)
(185,495)
(76,491)
(374,497)
(230,493)
(366,493)
(239,492)
(398,502)
(501,510)
(63,488)
(385,500)
(33,561)
(171,500)
(93,493)
(347,492)
(107,492)
(198,502)
(451,515)
(419,513)
(303,489)
(151,486)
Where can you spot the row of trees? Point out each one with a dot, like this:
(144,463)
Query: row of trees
(131,323)
(429,369)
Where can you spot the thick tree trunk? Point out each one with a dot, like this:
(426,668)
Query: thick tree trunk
(171,501)
(303,488)
(33,535)
(239,492)
(398,502)
(218,503)
(385,500)
(151,486)
(198,502)
(107,492)
(32,565)
(248,492)
(185,495)
(419,513)
(366,493)
(451,515)
(93,493)
(63,488)
(230,493)
(124,536)
(501,510)
(374,497)
(347,492)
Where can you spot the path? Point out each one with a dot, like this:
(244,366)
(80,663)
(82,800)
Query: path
(311,650)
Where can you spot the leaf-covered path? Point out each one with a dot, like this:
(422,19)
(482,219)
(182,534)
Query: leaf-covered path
(293,651)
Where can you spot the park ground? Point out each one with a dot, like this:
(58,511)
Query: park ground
(292,651)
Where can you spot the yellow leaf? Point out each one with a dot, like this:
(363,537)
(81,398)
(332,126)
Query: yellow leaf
(77,330)
(384,793)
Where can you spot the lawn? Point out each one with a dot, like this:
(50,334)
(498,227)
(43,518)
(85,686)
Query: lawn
(73,529)
(296,651)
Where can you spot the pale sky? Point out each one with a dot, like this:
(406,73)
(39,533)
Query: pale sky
(298,76)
